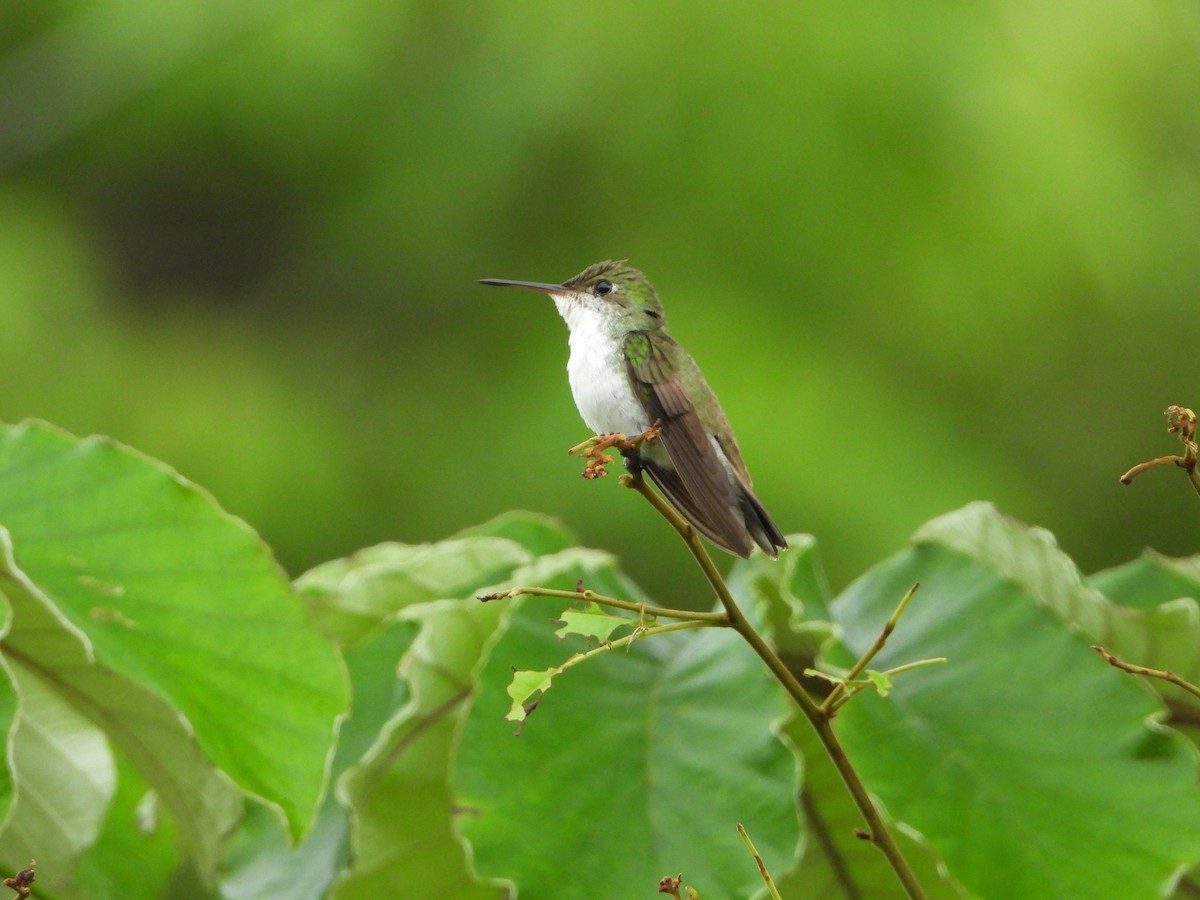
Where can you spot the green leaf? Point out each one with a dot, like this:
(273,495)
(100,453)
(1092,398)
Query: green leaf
(836,864)
(261,862)
(137,852)
(352,596)
(401,838)
(379,693)
(1027,555)
(592,622)
(1071,793)
(403,842)
(1155,620)
(881,681)
(540,535)
(1160,626)
(152,735)
(148,577)
(655,752)
(791,597)
(67,780)
(525,688)
(1149,581)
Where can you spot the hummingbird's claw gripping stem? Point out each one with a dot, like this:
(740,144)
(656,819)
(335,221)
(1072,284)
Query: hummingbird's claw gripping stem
(650,434)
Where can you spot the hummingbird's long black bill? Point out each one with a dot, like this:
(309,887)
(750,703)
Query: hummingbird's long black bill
(531,285)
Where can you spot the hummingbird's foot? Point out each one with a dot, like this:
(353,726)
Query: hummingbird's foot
(593,451)
(594,467)
(650,434)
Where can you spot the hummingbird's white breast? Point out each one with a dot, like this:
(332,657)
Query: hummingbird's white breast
(596,369)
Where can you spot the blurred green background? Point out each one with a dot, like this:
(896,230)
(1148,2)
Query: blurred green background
(925,253)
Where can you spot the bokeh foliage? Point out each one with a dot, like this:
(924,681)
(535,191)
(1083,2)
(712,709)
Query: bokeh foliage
(926,254)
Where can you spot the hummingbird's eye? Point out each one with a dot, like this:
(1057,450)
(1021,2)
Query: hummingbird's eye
(603,288)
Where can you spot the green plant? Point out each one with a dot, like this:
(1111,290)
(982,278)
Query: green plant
(171,705)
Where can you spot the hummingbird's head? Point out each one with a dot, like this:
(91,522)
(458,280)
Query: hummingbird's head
(610,289)
(614,284)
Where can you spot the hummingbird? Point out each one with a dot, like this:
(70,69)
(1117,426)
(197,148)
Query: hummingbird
(627,373)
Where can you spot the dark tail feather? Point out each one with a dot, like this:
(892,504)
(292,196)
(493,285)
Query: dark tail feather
(761,526)
(673,489)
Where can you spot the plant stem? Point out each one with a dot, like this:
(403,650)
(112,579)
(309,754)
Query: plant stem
(762,866)
(852,688)
(1183,422)
(1132,668)
(609,646)
(915,664)
(833,701)
(878,832)
(686,615)
(1194,478)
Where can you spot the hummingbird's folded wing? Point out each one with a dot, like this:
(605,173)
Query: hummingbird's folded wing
(700,487)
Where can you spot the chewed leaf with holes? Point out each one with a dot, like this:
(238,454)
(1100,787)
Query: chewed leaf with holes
(526,688)
(592,622)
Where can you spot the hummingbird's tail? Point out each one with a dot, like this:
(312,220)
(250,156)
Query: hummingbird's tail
(736,540)
(761,526)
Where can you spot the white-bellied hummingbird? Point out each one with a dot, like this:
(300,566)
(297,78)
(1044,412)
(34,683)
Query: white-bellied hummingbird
(628,374)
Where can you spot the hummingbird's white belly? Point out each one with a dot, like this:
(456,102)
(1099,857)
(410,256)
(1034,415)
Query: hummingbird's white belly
(599,380)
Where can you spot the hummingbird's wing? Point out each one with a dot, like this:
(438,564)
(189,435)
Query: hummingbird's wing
(699,487)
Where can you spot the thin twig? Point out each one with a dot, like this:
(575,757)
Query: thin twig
(1141,467)
(1162,674)
(915,664)
(22,880)
(1183,422)
(762,866)
(618,643)
(662,612)
(834,700)
(853,688)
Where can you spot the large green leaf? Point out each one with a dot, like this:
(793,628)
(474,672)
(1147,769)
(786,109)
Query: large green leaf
(1029,765)
(154,737)
(397,791)
(540,535)
(352,596)
(654,752)
(790,595)
(137,852)
(260,861)
(154,584)
(837,864)
(67,779)
(1149,581)
(403,841)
